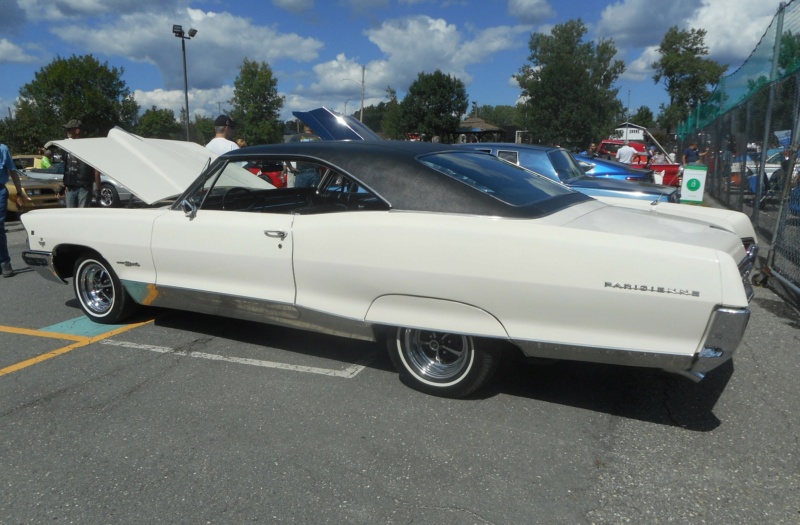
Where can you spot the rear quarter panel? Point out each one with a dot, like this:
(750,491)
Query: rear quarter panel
(542,282)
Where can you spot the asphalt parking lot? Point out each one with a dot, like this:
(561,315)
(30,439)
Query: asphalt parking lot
(183,418)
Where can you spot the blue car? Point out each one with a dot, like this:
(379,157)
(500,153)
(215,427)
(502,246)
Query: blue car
(559,165)
(599,167)
(551,162)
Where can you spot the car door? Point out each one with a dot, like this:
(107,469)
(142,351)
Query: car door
(226,250)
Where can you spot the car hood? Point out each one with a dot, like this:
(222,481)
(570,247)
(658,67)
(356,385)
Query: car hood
(152,169)
(332,126)
(619,185)
(645,225)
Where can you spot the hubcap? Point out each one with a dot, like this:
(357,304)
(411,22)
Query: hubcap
(95,288)
(436,356)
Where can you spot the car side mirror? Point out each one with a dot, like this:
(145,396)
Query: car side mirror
(189,209)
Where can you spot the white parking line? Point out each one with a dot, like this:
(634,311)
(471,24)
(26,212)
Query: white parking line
(348,373)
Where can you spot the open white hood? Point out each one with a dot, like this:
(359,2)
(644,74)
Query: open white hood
(152,169)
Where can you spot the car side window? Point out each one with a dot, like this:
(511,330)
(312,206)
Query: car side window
(280,185)
(348,194)
(510,156)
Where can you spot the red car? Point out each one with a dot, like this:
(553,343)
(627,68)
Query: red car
(672,170)
(271,172)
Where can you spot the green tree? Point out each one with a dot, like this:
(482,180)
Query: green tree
(257,104)
(434,104)
(502,116)
(568,87)
(159,124)
(76,87)
(644,117)
(392,121)
(688,76)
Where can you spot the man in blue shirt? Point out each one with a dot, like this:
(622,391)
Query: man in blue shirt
(7,169)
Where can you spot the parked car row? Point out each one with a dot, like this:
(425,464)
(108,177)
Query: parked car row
(446,254)
(112,193)
(670,172)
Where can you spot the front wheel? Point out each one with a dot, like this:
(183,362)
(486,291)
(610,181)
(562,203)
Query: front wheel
(109,196)
(443,364)
(99,291)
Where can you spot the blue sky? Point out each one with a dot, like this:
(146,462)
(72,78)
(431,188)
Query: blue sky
(317,48)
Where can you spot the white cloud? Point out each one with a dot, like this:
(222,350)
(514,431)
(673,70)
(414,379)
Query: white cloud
(203,102)
(213,57)
(640,69)
(639,23)
(530,11)
(10,52)
(63,9)
(728,39)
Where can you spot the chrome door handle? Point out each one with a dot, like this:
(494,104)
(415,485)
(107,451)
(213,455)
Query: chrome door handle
(275,233)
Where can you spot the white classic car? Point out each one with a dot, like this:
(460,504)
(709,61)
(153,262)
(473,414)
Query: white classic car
(453,257)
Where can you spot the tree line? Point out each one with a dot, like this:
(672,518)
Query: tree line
(568,97)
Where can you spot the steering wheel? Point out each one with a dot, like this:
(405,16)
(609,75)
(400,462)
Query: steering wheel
(248,194)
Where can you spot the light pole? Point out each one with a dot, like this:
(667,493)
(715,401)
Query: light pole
(361,113)
(178,32)
(345,106)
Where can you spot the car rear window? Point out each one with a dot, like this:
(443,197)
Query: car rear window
(565,165)
(500,179)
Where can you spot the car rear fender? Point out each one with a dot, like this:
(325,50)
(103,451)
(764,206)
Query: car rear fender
(434,314)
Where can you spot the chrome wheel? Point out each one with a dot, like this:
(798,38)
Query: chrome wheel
(99,291)
(95,288)
(437,356)
(443,363)
(109,198)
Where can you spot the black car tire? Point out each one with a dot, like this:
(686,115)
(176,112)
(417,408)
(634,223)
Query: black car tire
(109,196)
(443,364)
(99,291)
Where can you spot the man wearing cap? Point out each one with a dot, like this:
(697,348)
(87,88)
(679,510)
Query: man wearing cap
(222,143)
(79,177)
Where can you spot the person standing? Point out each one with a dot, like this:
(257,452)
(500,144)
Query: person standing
(626,153)
(591,151)
(47,159)
(691,154)
(7,169)
(79,177)
(224,129)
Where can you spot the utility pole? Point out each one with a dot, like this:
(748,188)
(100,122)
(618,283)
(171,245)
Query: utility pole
(361,113)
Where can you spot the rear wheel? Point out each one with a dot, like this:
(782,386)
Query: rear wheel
(99,291)
(443,364)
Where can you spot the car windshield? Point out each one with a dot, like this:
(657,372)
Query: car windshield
(565,165)
(502,180)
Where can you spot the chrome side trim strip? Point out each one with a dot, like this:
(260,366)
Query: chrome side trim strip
(248,309)
(605,355)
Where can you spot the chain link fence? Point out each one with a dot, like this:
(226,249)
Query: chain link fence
(749,128)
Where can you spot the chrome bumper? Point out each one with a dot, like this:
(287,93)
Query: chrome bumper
(725,333)
(745,267)
(42,262)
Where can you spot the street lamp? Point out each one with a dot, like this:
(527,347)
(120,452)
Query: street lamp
(178,32)
(361,114)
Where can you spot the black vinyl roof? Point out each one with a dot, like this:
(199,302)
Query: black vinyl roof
(391,170)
